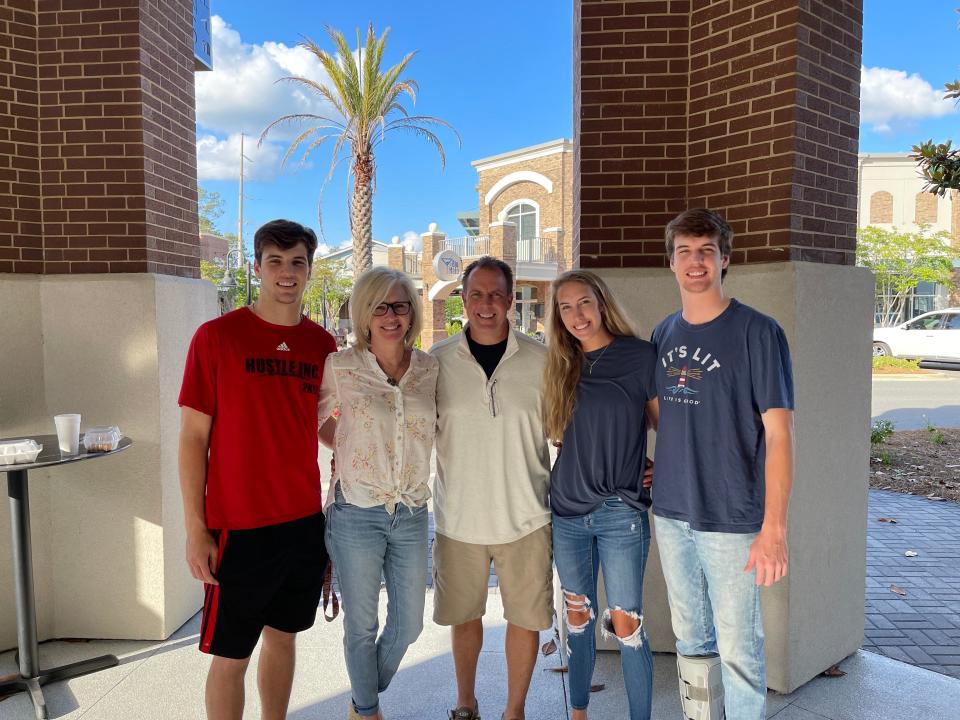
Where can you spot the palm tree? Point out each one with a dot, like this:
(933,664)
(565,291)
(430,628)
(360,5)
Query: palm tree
(366,107)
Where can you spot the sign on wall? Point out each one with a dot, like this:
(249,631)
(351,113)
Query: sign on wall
(202,55)
(447,265)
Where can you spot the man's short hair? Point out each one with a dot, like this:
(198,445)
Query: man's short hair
(285,234)
(700,222)
(488,262)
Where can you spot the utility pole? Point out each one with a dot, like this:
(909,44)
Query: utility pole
(243,254)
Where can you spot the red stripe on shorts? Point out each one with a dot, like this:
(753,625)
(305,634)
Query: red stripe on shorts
(210,606)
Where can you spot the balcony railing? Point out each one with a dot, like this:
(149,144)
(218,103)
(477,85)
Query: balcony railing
(469,246)
(536,250)
(412,264)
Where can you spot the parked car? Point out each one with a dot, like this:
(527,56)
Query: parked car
(931,336)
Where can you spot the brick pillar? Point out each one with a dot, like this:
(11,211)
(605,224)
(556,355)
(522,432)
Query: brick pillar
(101,133)
(395,254)
(554,249)
(503,245)
(98,247)
(750,108)
(434,319)
(752,112)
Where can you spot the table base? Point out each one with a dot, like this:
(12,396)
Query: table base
(32,685)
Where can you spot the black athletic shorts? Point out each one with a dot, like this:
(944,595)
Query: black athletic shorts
(269,576)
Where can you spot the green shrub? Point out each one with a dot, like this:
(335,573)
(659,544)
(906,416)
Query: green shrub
(880,431)
(885,361)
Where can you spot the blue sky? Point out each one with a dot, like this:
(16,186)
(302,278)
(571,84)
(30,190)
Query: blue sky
(501,73)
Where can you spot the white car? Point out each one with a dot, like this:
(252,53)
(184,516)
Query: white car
(931,336)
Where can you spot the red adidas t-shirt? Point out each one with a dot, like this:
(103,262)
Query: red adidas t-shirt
(260,383)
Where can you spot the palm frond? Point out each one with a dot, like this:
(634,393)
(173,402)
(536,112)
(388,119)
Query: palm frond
(426,135)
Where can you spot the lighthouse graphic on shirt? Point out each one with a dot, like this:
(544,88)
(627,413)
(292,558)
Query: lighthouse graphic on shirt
(682,375)
(684,371)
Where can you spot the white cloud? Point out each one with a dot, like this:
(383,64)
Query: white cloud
(411,241)
(219,159)
(891,99)
(241,93)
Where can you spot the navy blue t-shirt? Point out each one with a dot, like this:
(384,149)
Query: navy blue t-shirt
(714,380)
(605,444)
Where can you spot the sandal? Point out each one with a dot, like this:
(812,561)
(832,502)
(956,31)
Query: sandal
(465,713)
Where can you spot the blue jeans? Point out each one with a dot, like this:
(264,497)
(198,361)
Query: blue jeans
(365,543)
(715,608)
(615,537)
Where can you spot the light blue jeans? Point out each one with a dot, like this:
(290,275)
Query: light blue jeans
(715,608)
(365,544)
(615,537)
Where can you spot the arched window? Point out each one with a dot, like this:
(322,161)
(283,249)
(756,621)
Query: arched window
(525,216)
(881,207)
(926,213)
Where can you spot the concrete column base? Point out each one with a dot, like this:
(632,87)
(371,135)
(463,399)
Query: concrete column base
(108,534)
(813,618)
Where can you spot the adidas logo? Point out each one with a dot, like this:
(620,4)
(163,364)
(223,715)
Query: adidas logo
(283,346)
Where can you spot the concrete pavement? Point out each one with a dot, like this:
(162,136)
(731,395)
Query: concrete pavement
(164,681)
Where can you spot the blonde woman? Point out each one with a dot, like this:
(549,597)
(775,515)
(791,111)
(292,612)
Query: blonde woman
(376,508)
(598,391)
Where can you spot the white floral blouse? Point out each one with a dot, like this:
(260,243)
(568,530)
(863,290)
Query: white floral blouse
(384,432)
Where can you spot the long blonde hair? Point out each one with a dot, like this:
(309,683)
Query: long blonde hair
(564,354)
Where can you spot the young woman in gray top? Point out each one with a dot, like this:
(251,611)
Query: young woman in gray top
(598,387)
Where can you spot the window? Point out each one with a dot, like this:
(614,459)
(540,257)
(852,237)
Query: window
(525,216)
(881,207)
(930,322)
(952,322)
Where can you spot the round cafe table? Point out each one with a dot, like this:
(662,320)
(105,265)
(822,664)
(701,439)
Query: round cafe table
(31,677)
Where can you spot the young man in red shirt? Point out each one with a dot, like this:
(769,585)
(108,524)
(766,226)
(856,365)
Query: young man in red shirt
(250,479)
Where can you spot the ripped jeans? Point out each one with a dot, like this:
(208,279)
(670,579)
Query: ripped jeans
(615,537)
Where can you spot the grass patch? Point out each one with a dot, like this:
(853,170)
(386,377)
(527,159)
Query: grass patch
(887,364)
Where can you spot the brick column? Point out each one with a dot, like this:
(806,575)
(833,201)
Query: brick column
(554,248)
(395,254)
(99,246)
(434,319)
(503,245)
(751,111)
(101,133)
(750,108)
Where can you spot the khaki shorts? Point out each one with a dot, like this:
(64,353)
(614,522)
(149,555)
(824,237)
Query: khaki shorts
(524,567)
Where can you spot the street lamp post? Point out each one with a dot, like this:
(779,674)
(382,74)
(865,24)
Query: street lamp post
(227,283)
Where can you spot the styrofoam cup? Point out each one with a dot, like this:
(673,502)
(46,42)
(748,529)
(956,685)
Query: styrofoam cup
(68,432)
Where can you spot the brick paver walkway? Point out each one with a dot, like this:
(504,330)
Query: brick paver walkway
(922,627)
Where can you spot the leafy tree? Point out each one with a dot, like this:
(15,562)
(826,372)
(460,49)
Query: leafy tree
(366,107)
(939,163)
(338,288)
(210,209)
(900,261)
(453,308)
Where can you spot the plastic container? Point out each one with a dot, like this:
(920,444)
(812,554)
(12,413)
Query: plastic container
(101,439)
(19,451)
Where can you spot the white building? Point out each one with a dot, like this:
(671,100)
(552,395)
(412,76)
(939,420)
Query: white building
(891,195)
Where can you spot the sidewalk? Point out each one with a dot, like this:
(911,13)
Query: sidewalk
(164,681)
(921,627)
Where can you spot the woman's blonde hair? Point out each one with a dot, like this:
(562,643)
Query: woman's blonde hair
(564,354)
(371,289)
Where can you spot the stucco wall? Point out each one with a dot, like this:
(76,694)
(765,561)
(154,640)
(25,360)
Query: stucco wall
(108,538)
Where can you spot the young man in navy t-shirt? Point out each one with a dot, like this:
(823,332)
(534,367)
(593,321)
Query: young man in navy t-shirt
(723,472)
